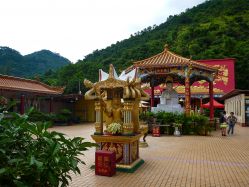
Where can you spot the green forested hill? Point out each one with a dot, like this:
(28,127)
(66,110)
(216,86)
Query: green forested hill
(13,63)
(214,29)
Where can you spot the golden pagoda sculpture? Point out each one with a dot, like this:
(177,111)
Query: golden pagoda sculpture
(117,101)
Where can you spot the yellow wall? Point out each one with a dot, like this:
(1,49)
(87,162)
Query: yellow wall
(85,110)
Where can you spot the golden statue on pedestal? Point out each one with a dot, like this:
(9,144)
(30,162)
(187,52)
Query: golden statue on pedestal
(117,101)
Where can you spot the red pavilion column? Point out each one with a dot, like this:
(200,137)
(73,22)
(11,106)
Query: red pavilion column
(187,96)
(152,97)
(22,105)
(211,100)
(201,109)
(51,105)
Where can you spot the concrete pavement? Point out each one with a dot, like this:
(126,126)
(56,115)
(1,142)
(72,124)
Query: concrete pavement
(175,161)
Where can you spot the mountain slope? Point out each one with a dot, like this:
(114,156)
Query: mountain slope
(10,58)
(44,60)
(214,29)
(13,63)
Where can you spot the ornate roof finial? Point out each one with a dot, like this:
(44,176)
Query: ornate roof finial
(111,71)
(169,79)
(190,61)
(166,47)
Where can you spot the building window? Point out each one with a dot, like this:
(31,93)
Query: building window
(240,108)
(236,108)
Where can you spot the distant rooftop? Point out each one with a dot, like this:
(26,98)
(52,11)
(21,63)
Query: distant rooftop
(27,85)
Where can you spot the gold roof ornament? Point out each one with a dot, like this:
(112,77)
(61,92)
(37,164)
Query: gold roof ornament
(131,87)
(111,72)
(166,47)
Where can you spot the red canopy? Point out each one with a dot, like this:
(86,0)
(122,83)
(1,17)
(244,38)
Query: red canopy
(216,105)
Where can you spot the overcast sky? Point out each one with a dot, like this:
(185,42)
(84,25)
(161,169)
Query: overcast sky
(75,28)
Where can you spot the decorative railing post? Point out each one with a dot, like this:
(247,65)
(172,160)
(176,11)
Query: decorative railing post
(99,119)
(22,104)
(128,126)
(152,104)
(187,96)
(187,91)
(51,105)
(211,100)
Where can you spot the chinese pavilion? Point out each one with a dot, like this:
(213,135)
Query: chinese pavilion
(156,69)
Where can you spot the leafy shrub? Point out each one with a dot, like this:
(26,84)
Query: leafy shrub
(37,116)
(146,116)
(143,116)
(5,105)
(167,117)
(187,127)
(64,116)
(30,155)
(202,125)
(217,112)
(196,124)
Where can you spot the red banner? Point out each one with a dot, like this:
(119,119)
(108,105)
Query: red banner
(225,82)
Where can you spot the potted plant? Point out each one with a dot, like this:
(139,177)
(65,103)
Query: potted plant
(114,128)
(177,131)
(179,119)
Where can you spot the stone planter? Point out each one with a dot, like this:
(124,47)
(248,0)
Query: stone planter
(177,132)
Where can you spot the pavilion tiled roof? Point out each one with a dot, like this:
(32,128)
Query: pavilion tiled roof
(170,59)
(27,85)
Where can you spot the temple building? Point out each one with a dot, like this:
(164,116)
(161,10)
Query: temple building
(223,84)
(30,93)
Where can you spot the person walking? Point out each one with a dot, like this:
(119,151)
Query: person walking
(223,124)
(231,121)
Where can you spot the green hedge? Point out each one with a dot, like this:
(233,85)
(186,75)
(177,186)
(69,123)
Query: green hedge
(194,124)
(62,117)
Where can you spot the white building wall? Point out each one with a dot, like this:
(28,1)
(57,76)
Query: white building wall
(236,104)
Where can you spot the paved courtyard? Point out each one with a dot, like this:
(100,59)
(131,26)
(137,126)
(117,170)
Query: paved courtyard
(175,161)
